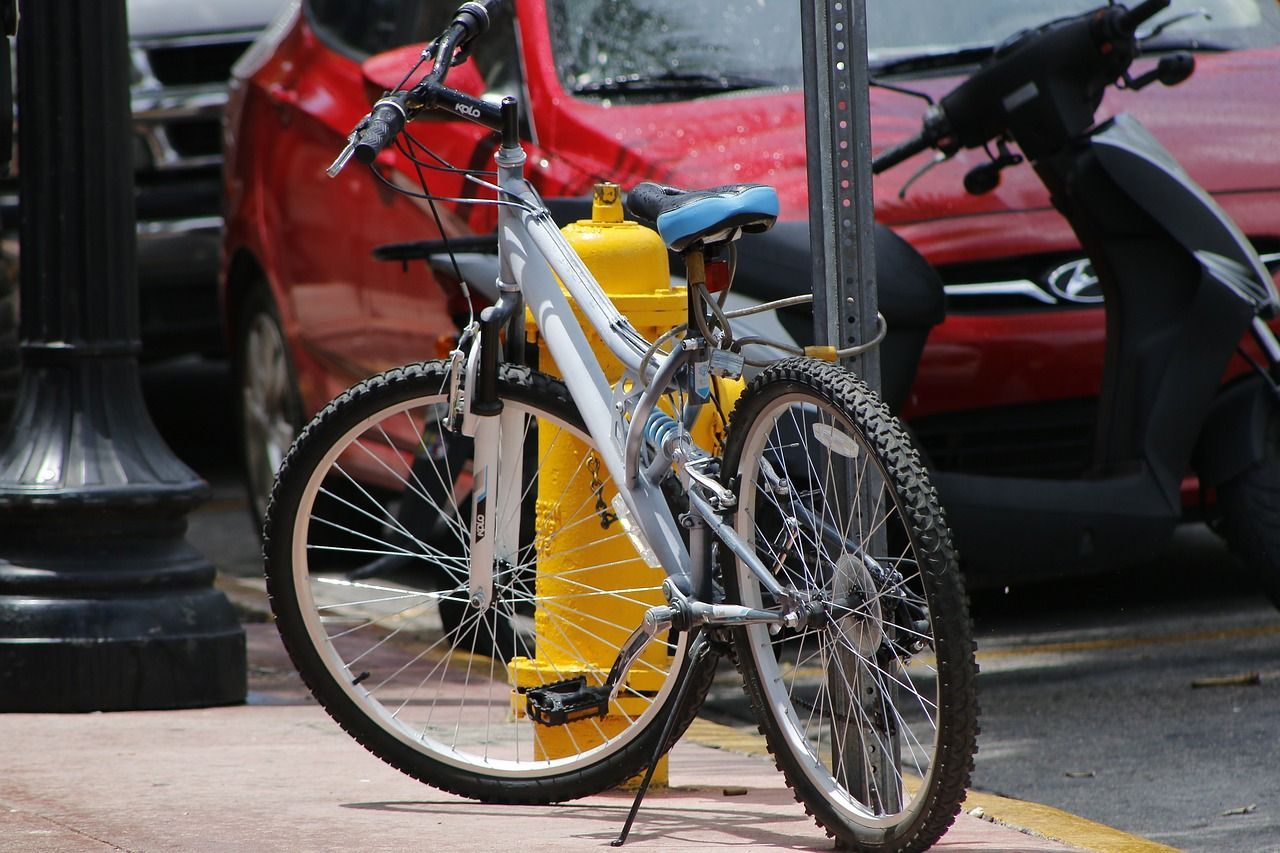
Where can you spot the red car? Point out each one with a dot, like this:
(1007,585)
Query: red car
(641,90)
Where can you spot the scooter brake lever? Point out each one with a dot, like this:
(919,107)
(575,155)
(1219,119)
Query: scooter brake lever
(1200,12)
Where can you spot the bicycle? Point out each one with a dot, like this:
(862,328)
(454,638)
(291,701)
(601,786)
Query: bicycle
(431,575)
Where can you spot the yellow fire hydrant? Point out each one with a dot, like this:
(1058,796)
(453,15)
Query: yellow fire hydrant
(579,560)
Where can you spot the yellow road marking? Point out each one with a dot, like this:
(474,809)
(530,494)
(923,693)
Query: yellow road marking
(1043,821)
(1129,642)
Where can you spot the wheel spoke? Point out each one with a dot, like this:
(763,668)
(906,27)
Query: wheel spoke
(369,569)
(832,504)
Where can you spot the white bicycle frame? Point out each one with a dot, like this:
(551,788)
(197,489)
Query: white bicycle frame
(534,259)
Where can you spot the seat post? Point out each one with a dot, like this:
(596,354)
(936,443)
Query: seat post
(695,273)
(695,265)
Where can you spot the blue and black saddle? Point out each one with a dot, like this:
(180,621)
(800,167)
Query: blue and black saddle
(691,218)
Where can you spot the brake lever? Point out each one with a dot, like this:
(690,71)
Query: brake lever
(339,164)
(1201,12)
(938,157)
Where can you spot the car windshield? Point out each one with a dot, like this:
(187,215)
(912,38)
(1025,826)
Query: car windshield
(657,48)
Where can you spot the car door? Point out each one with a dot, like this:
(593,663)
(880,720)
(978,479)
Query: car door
(355,315)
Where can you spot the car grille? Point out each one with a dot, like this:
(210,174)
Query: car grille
(179,91)
(1050,440)
(191,64)
(1037,284)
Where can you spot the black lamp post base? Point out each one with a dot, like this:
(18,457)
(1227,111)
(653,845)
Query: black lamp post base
(104,605)
(120,653)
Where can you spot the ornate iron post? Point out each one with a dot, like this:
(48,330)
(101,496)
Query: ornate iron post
(103,603)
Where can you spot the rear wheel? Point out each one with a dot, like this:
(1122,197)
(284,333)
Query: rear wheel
(381,624)
(869,703)
(1249,508)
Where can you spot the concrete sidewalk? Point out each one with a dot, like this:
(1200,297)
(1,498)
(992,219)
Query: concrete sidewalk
(278,774)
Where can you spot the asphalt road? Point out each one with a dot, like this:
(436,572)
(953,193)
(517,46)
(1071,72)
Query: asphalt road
(1089,688)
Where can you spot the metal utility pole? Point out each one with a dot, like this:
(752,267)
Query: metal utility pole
(865,747)
(838,143)
(103,603)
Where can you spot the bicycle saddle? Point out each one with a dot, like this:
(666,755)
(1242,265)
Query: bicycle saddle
(685,218)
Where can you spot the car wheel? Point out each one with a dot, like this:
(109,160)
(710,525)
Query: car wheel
(270,406)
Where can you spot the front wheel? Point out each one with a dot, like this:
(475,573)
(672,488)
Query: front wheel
(868,703)
(378,616)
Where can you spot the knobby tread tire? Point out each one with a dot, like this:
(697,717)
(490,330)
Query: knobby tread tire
(357,403)
(958,717)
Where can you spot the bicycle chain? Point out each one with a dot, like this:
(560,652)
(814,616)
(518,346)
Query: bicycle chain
(607,516)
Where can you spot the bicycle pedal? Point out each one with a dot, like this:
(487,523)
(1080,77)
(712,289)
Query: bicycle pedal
(564,702)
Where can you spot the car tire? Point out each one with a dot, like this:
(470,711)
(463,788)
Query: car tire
(269,406)
(1249,515)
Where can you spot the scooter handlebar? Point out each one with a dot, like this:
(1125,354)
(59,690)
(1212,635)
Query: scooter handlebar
(891,157)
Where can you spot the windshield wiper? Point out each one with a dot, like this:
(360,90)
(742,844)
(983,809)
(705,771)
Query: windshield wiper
(933,60)
(671,82)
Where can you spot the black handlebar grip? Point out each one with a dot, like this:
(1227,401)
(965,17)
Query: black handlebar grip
(895,155)
(476,16)
(385,123)
(1135,16)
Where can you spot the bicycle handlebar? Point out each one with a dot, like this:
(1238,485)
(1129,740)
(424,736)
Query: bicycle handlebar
(382,126)
(384,122)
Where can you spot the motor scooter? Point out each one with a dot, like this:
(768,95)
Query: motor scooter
(1184,290)
(1182,287)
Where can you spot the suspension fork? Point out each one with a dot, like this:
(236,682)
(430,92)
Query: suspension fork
(498,461)
(498,466)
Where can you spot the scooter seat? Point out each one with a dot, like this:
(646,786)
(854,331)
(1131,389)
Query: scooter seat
(688,218)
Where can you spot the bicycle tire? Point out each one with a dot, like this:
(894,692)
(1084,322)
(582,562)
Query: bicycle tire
(847,760)
(427,698)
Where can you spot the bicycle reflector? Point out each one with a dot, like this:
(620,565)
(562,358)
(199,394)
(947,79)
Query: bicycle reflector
(717,276)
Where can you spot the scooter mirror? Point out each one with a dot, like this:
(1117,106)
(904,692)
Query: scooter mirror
(982,179)
(1175,67)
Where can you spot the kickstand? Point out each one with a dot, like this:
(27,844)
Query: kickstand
(673,711)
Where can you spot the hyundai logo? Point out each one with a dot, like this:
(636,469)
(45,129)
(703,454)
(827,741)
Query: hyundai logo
(1075,282)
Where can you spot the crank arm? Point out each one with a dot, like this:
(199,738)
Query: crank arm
(692,614)
(656,620)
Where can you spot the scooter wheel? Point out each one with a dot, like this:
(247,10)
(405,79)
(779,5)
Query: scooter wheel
(1249,506)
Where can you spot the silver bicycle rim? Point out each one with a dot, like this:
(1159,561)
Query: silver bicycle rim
(446,703)
(797,678)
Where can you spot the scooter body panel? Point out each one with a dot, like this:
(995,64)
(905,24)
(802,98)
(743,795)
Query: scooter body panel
(1182,286)
(1150,175)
